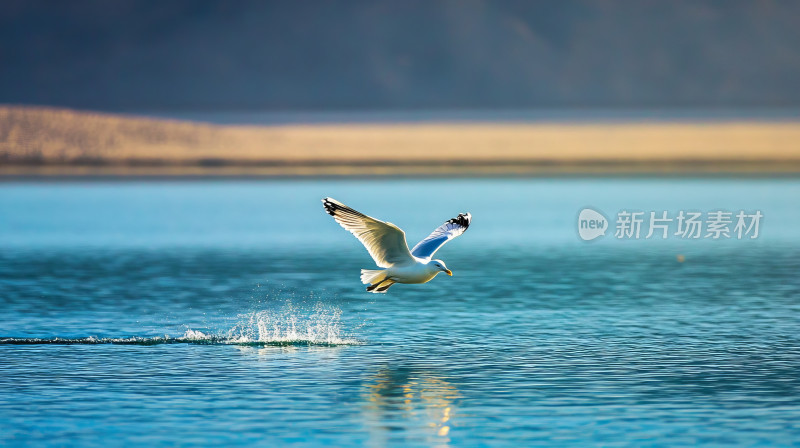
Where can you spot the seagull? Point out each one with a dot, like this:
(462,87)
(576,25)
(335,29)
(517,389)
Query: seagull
(386,243)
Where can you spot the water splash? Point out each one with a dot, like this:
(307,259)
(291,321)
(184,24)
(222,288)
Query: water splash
(287,326)
(321,326)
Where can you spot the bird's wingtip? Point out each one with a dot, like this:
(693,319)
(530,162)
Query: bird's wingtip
(463,219)
(331,205)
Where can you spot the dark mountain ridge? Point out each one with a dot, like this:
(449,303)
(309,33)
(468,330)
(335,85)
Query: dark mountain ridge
(129,55)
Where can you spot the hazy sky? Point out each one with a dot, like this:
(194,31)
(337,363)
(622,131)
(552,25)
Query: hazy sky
(307,55)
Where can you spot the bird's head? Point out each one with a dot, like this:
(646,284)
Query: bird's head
(440,266)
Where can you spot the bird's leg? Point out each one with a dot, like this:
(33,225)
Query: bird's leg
(384,288)
(371,287)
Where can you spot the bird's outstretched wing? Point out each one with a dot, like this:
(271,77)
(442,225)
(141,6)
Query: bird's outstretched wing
(385,242)
(444,233)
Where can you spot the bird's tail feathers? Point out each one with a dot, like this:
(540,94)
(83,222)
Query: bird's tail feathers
(370,276)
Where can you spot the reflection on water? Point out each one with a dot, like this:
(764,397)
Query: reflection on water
(404,399)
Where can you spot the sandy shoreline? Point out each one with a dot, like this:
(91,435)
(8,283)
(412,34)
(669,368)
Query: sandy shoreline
(666,169)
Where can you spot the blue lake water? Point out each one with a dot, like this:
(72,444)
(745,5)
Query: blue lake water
(231,313)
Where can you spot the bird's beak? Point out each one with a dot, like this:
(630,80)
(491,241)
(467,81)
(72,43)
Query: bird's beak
(449,272)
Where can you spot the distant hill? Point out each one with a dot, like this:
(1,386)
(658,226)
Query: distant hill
(45,141)
(126,55)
